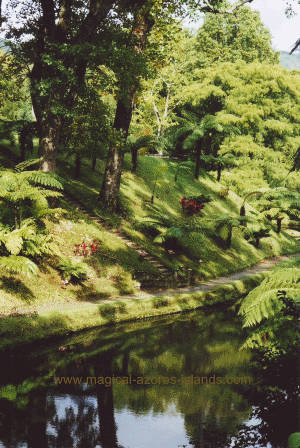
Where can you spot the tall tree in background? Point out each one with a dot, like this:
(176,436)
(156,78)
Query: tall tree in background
(238,36)
(143,22)
(57,40)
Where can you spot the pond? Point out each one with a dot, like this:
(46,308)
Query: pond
(178,381)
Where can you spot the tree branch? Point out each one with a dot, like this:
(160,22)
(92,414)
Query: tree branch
(296,45)
(212,9)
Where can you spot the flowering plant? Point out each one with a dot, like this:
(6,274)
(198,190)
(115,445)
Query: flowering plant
(191,205)
(86,250)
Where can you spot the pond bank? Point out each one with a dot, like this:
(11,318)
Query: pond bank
(63,320)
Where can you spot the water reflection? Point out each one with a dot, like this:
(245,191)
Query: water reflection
(155,412)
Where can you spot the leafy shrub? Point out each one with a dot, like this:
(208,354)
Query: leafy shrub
(73,270)
(160,302)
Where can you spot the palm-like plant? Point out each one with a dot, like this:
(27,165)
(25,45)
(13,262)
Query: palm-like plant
(134,144)
(249,195)
(183,167)
(278,204)
(224,224)
(169,229)
(196,131)
(221,162)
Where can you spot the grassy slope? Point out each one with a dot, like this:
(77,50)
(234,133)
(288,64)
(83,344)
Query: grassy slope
(111,270)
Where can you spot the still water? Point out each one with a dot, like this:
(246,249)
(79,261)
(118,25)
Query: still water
(179,381)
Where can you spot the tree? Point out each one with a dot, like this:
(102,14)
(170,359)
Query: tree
(224,224)
(261,101)
(57,41)
(197,130)
(233,37)
(221,162)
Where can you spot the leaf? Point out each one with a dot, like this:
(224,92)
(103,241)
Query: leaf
(19,265)
(23,165)
(14,242)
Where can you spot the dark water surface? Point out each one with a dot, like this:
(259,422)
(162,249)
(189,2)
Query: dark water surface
(179,381)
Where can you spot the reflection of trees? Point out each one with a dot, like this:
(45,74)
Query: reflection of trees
(198,344)
(13,426)
(37,419)
(107,424)
(75,430)
(201,347)
(276,400)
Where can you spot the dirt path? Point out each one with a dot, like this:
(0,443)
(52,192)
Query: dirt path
(259,267)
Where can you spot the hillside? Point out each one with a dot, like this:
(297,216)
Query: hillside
(113,267)
(290,61)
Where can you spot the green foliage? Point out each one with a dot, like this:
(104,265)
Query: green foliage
(18,265)
(279,203)
(262,102)
(294,440)
(23,192)
(172,232)
(263,303)
(273,307)
(195,128)
(73,270)
(182,167)
(232,37)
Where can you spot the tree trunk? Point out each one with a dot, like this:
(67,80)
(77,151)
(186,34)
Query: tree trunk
(278,220)
(23,139)
(94,162)
(198,155)
(109,193)
(257,242)
(228,239)
(48,145)
(219,172)
(77,166)
(134,157)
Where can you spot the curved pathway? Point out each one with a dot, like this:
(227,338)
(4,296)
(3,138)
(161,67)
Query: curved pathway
(259,267)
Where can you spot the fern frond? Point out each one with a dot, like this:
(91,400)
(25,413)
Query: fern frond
(44,179)
(263,301)
(40,213)
(19,265)
(23,165)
